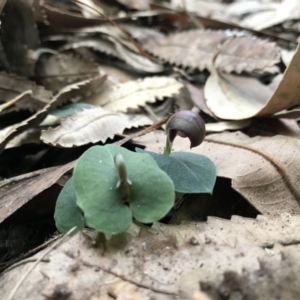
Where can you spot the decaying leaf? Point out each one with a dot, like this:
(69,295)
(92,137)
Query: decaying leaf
(133,94)
(19,36)
(264,170)
(88,126)
(232,97)
(11,86)
(56,71)
(179,262)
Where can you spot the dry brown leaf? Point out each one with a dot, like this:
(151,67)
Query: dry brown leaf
(197,48)
(17,191)
(264,170)
(193,48)
(88,126)
(11,86)
(178,262)
(133,94)
(56,71)
(233,97)
(248,54)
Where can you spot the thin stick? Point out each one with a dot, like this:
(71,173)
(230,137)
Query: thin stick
(14,100)
(145,131)
(17,286)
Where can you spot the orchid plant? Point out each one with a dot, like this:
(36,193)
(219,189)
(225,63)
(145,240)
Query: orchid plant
(111,185)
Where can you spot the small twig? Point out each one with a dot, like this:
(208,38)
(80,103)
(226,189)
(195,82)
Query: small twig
(22,279)
(145,131)
(14,100)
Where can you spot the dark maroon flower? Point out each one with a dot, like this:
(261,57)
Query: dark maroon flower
(186,123)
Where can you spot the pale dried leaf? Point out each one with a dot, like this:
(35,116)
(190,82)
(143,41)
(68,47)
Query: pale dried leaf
(248,54)
(135,4)
(133,94)
(235,97)
(100,45)
(286,10)
(264,170)
(232,97)
(200,7)
(227,125)
(179,262)
(88,126)
(56,71)
(114,47)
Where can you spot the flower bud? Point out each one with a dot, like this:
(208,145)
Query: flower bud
(186,123)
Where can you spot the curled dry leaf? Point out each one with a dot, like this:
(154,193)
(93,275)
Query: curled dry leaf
(56,71)
(88,126)
(264,170)
(233,97)
(177,260)
(136,93)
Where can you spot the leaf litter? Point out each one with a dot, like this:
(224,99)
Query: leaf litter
(62,65)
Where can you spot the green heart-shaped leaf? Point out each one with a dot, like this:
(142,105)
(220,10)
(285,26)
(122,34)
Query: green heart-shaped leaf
(151,193)
(190,172)
(67,214)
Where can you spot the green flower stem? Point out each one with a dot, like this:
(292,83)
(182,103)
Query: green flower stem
(168,147)
(124,181)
